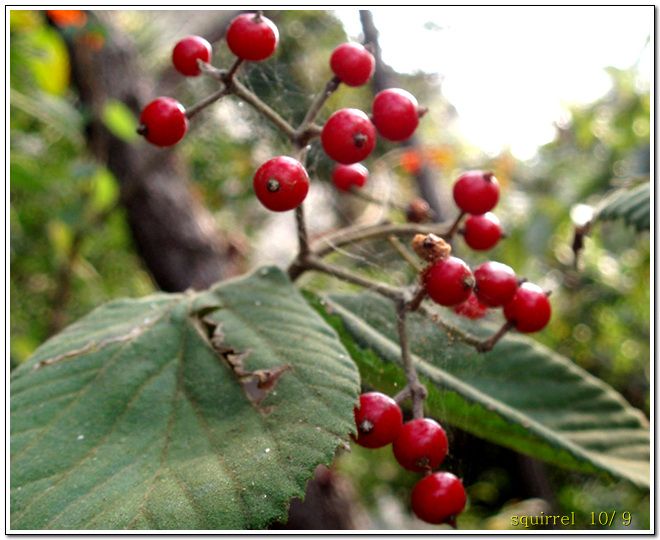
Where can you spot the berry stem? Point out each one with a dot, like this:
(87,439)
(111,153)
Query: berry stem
(454,227)
(465,337)
(489,343)
(417,300)
(416,389)
(303,241)
(318,103)
(406,255)
(233,69)
(351,235)
(215,96)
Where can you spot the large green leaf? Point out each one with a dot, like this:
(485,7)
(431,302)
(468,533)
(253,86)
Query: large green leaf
(632,205)
(520,395)
(194,411)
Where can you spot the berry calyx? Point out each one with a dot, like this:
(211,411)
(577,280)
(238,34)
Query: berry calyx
(395,113)
(348,136)
(186,53)
(495,283)
(421,445)
(251,36)
(448,281)
(281,184)
(345,177)
(378,419)
(472,308)
(529,309)
(163,122)
(438,498)
(476,192)
(352,63)
(482,232)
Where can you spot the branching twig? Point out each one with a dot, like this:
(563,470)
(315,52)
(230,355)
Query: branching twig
(405,253)
(318,103)
(416,390)
(454,227)
(215,96)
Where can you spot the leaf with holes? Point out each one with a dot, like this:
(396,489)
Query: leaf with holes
(632,205)
(520,395)
(194,411)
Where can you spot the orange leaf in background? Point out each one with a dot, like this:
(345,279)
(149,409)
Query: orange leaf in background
(411,161)
(92,40)
(441,156)
(67,17)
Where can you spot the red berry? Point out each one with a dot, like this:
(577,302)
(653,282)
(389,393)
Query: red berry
(471,308)
(529,309)
(281,184)
(495,283)
(186,53)
(252,36)
(482,232)
(348,136)
(421,445)
(352,63)
(395,113)
(438,498)
(346,176)
(378,419)
(163,122)
(449,281)
(476,192)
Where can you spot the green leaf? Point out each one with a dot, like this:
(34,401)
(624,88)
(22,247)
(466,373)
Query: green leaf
(146,414)
(520,395)
(49,60)
(631,204)
(119,119)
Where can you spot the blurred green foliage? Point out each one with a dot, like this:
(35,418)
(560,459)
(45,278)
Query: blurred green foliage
(601,313)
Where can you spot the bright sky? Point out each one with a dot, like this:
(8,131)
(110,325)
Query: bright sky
(511,71)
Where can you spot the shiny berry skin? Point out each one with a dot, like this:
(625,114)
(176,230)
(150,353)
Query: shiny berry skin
(471,308)
(186,53)
(529,309)
(348,136)
(352,63)
(345,177)
(253,37)
(421,445)
(438,498)
(163,122)
(378,419)
(482,232)
(495,283)
(476,192)
(395,113)
(281,184)
(449,281)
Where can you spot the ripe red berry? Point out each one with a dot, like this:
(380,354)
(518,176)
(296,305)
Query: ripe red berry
(395,113)
(529,309)
(345,177)
(482,232)
(352,63)
(495,283)
(476,192)
(163,122)
(251,36)
(438,498)
(186,53)
(421,445)
(348,136)
(471,308)
(378,419)
(281,184)
(449,281)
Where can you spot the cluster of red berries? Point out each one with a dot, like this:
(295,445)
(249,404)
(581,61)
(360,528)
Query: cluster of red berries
(419,445)
(252,37)
(449,280)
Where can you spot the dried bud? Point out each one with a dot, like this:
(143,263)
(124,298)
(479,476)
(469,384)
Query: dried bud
(418,211)
(430,247)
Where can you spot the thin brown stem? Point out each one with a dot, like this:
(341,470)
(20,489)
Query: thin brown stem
(303,242)
(405,253)
(318,103)
(417,390)
(233,69)
(350,235)
(489,343)
(215,96)
(465,337)
(417,300)
(454,227)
